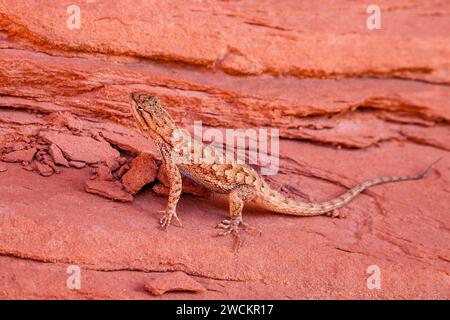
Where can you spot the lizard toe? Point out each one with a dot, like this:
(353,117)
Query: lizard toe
(165,220)
(224,224)
(232,227)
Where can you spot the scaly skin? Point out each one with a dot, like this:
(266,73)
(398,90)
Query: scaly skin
(241,182)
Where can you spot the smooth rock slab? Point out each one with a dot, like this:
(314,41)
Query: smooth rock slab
(81,148)
(131,144)
(58,156)
(107,189)
(77,164)
(19,155)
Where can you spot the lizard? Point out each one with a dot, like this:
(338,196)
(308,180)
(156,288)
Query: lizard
(241,182)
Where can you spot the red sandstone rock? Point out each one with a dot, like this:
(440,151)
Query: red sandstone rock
(162,176)
(135,145)
(43,169)
(255,42)
(27,167)
(58,156)
(104,235)
(19,156)
(103,172)
(122,170)
(108,189)
(19,117)
(3,168)
(20,146)
(382,93)
(61,119)
(80,148)
(46,160)
(173,281)
(142,171)
(77,164)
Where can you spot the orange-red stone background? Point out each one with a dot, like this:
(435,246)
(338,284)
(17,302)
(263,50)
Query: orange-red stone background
(350,104)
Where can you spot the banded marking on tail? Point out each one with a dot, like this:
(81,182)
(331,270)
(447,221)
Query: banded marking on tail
(279,203)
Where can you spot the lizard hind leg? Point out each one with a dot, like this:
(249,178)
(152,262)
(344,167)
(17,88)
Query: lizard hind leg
(237,197)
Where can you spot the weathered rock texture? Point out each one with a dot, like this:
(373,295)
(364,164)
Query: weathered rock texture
(350,104)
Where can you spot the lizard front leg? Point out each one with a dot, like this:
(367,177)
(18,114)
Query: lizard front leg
(175,187)
(237,197)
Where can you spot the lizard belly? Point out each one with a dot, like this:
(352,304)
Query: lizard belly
(202,175)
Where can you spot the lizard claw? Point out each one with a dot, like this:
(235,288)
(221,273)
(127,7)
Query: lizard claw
(228,226)
(167,219)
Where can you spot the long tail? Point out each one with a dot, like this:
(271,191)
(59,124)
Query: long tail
(279,203)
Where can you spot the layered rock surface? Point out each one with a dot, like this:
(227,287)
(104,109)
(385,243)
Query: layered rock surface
(350,104)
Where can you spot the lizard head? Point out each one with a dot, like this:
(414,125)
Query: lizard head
(152,118)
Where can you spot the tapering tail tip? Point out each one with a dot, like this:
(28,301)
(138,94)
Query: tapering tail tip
(430,167)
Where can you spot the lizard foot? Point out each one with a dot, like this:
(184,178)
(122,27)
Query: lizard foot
(232,227)
(167,219)
(336,214)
